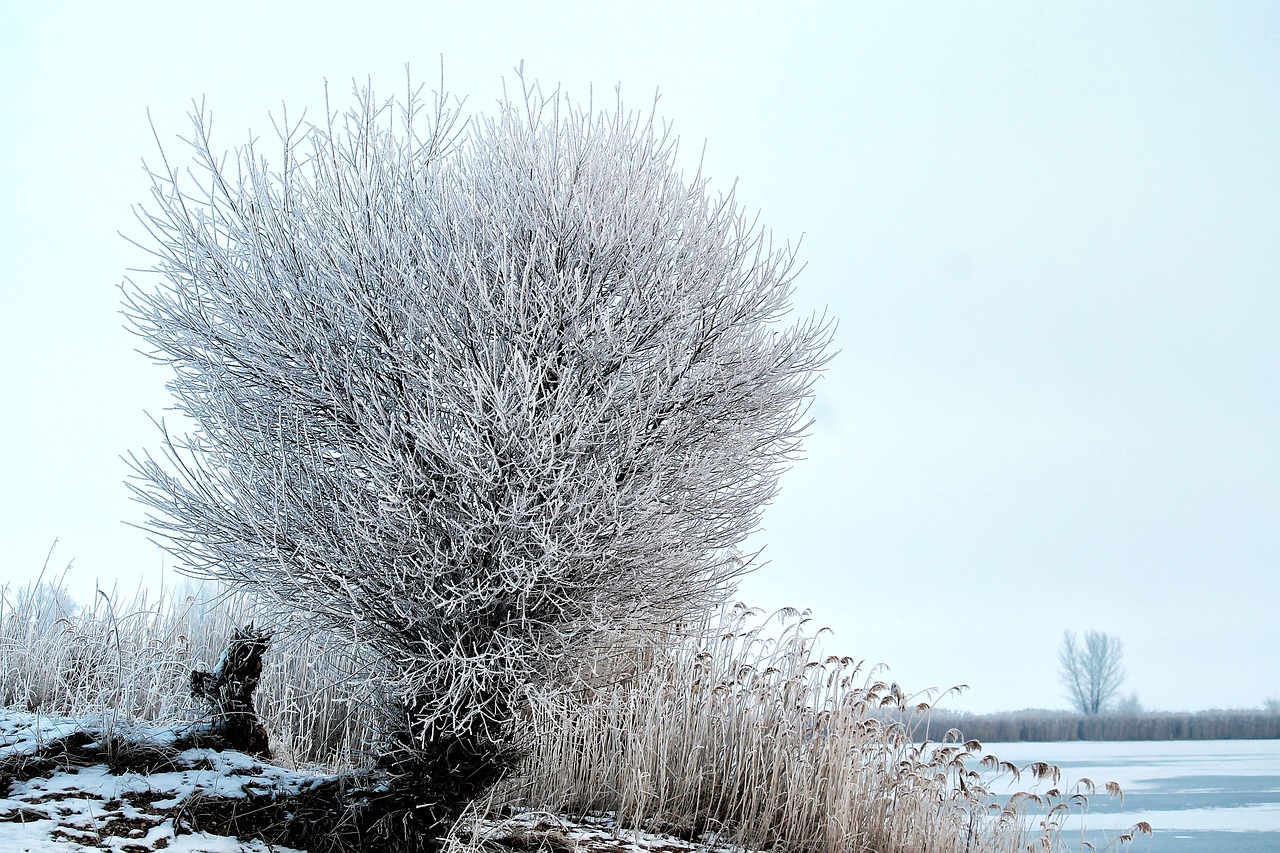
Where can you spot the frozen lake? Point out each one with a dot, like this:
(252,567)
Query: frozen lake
(1212,796)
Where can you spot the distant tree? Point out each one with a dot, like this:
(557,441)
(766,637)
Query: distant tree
(1127,705)
(1091,672)
(476,395)
(1271,705)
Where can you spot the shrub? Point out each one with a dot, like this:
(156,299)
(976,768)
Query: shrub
(480,397)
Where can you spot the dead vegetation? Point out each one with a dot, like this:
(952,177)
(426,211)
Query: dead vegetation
(747,735)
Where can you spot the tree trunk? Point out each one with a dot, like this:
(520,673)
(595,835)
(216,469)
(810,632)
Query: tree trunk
(418,787)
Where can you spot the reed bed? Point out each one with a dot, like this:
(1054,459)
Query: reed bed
(739,732)
(130,659)
(746,733)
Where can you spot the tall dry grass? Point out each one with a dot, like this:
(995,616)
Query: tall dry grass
(131,657)
(747,732)
(741,730)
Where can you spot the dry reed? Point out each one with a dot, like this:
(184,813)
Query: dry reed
(740,731)
(130,659)
(746,733)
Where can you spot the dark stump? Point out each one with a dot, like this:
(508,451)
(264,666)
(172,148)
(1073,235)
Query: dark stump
(229,690)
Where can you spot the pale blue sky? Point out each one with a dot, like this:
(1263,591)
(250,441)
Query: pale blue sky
(1049,235)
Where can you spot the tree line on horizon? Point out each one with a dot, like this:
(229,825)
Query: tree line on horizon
(1092,674)
(1045,725)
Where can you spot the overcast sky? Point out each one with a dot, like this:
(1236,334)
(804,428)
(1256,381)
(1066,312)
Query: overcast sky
(1051,238)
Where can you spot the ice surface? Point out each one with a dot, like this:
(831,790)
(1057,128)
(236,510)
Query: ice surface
(1219,785)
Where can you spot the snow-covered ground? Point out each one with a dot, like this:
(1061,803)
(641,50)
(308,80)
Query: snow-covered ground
(77,809)
(82,808)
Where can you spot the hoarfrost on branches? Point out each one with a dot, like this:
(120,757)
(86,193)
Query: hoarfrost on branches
(475,393)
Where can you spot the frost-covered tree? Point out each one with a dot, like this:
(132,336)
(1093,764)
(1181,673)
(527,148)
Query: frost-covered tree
(1091,673)
(469,392)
